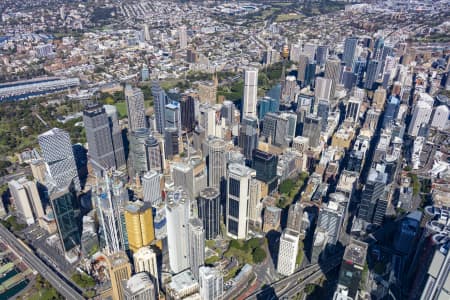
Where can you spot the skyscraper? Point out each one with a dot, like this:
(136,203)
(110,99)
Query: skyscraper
(99,138)
(196,236)
(216,162)
(66,209)
(139,223)
(238,194)
(311,129)
(348,56)
(209,211)
(287,253)
(171,142)
(352,109)
(323,109)
(250,92)
(145,260)
(159,105)
(333,72)
(371,195)
(265,165)
(248,136)
(301,70)
(177,214)
(421,115)
(371,74)
(139,287)
(58,154)
(182,35)
(323,88)
(119,269)
(155,160)
(211,283)
(321,54)
(134,99)
(151,184)
(138,153)
(187,108)
(352,268)
(172,116)
(331,216)
(183,176)
(26,200)
(116,136)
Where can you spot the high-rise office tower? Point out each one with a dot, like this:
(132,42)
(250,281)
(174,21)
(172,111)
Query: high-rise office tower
(281,137)
(199,173)
(146,32)
(352,268)
(182,35)
(295,216)
(26,200)
(134,99)
(333,72)
(159,105)
(311,129)
(269,126)
(265,165)
(372,194)
(371,74)
(321,54)
(66,209)
(421,115)
(138,153)
(187,107)
(109,207)
(211,283)
(58,154)
(440,117)
(349,79)
(287,253)
(155,160)
(171,142)
(196,236)
(145,260)
(116,136)
(172,116)
(379,98)
(139,223)
(323,109)
(119,269)
(391,111)
(309,50)
(266,105)
(323,88)
(238,194)
(227,112)
(301,69)
(248,137)
(310,74)
(250,92)
(216,162)
(331,217)
(151,184)
(145,73)
(436,286)
(290,89)
(209,211)
(183,176)
(177,215)
(139,287)
(99,138)
(348,56)
(352,109)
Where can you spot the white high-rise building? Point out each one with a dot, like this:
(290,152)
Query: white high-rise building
(323,88)
(440,117)
(287,253)
(58,154)
(151,184)
(217,162)
(177,216)
(182,34)
(138,287)
(438,276)
(421,115)
(211,283)
(196,245)
(159,106)
(250,92)
(145,260)
(238,196)
(146,32)
(135,107)
(183,176)
(333,71)
(330,220)
(26,199)
(310,51)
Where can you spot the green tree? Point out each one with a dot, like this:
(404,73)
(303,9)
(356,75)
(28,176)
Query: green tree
(259,255)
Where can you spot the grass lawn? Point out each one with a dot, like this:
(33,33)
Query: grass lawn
(45,294)
(288,17)
(121,109)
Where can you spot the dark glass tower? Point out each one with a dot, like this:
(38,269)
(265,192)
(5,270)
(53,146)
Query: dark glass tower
(187,113)
(209,211)
(265,165)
